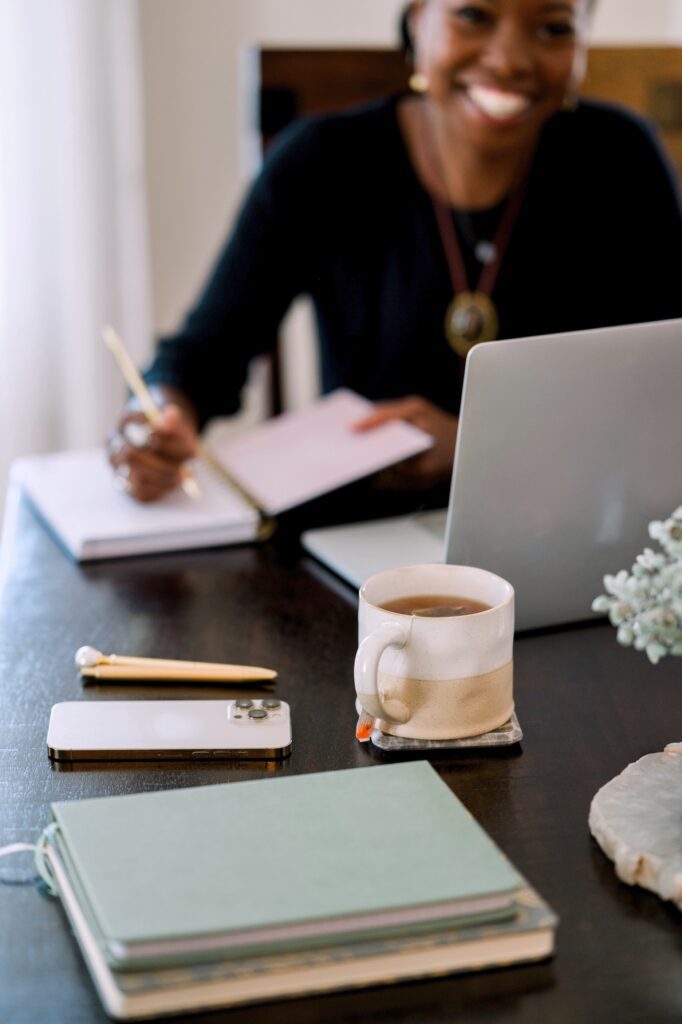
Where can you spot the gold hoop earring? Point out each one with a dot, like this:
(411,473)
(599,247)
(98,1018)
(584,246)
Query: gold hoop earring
(418,82)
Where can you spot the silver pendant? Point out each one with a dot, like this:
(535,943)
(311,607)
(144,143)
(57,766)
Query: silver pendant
(485,252)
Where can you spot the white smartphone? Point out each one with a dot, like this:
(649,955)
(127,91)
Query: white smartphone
(169,730)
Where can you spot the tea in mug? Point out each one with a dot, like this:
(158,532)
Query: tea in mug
(435,606)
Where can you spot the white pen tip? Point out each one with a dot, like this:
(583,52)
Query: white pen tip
(191,488)
(87,656)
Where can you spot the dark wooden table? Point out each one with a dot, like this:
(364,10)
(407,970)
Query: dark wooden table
(587,708)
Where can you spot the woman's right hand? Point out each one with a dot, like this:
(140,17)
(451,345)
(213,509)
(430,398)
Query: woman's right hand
(148,461)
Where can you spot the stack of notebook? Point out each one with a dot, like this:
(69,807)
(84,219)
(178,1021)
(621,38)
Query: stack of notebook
(228,894)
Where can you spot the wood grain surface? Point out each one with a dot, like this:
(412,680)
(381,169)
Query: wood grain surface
(586,706)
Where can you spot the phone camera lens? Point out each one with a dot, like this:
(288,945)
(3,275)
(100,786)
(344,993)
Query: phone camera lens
(257,713)
(243,703)
(271,702)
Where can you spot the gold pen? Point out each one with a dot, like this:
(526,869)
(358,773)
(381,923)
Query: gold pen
(141,392)
(93,664)
(221,674)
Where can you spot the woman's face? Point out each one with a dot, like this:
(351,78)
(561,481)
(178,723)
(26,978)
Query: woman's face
(499,68)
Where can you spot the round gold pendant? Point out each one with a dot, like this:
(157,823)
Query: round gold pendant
(470,318)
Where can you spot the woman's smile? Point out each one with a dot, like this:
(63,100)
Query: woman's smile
(496,70)
(503,106)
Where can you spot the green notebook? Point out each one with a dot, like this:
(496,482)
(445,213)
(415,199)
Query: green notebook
(527,936)
(279,864)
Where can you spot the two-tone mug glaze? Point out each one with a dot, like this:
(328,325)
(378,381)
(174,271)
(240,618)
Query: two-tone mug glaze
(436,678)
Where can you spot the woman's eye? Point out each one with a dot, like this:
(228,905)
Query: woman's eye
(557,30)
(471,14)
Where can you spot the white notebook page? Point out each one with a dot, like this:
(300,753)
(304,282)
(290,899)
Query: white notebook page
(298,456)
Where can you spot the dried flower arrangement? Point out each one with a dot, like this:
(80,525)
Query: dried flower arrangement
(646,603)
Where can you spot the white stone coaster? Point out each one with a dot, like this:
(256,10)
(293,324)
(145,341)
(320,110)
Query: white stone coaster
(503,736)
(637,820)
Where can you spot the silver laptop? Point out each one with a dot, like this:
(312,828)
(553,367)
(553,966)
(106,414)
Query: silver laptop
(568,445)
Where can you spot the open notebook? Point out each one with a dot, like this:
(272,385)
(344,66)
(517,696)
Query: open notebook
(283,463)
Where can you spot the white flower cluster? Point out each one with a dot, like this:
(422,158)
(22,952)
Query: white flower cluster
(646,604)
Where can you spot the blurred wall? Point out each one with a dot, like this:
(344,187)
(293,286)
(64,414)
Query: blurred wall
(195,116)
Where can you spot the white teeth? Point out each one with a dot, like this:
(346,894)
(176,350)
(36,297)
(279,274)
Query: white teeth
(496,103)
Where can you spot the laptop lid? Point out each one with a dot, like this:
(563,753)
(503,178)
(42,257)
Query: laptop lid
(569,444)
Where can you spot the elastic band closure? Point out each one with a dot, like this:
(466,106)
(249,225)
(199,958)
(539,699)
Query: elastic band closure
(42,866)
(17,877)
(44,872)
(40,862)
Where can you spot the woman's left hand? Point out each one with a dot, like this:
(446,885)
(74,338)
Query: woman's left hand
(429,468)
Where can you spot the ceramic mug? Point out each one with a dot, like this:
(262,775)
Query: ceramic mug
(436,678)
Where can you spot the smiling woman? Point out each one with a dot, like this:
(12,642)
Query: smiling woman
(488,203)
(494,72)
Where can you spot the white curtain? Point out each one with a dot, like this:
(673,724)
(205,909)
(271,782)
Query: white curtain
(73,225)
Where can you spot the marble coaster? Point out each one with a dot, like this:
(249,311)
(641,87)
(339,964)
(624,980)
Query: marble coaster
(637,820)
(503,736)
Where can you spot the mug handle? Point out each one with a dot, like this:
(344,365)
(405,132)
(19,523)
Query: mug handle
(366,670)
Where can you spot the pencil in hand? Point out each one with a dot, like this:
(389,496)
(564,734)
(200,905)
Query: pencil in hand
(147,404)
